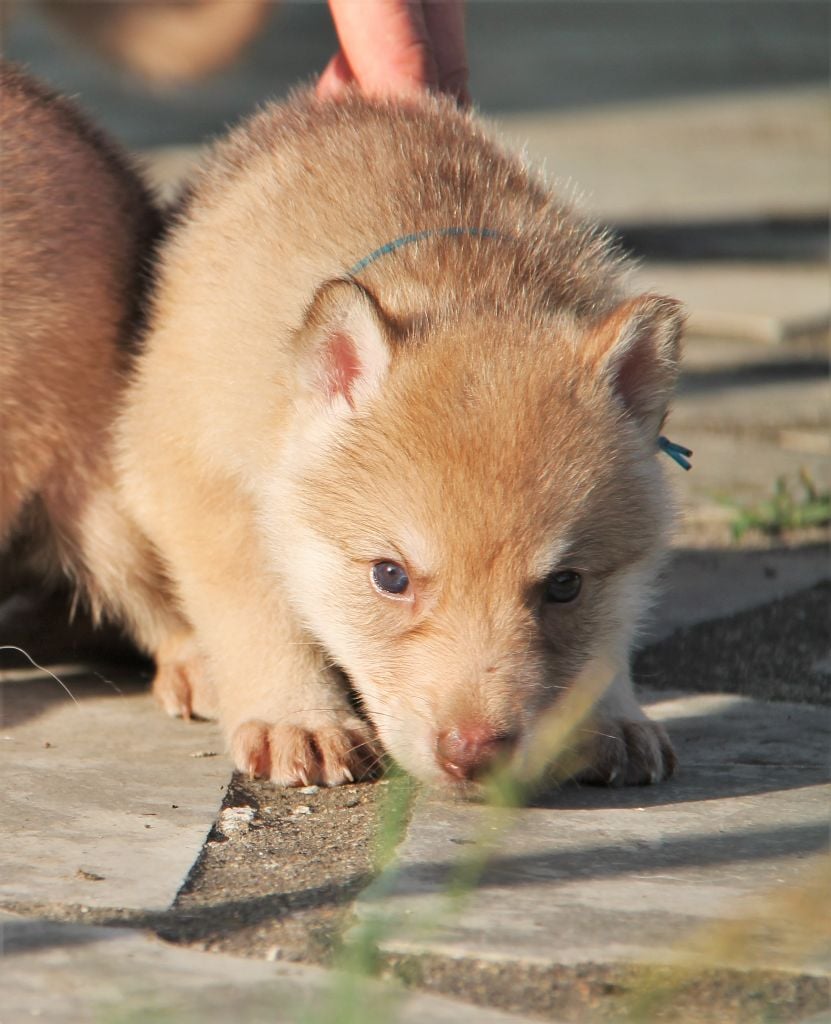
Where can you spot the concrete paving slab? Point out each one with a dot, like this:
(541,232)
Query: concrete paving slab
(76,974)
(106,801)
(736,157)
(699,586)
(751,414)
(769,303)
(736,359)
(756,403)
(614,876)
(732,472)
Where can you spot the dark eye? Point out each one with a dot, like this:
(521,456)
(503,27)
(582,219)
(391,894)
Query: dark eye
(562,587)
(390,577)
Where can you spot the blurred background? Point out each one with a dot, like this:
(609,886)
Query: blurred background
(544,55)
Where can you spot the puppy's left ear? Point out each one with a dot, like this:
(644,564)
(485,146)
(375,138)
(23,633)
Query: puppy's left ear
(636,353)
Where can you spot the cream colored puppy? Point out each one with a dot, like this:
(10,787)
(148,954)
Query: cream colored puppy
(396,420)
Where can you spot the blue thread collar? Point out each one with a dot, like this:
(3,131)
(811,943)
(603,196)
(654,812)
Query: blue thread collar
(417,236)
(677,452)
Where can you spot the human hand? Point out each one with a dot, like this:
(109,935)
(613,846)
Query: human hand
(397,48)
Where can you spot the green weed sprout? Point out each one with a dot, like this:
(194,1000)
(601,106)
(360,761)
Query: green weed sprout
(809,507)
(548,759)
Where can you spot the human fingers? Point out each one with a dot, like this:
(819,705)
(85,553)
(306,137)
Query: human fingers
(335,78)
(445,21)
(385,45)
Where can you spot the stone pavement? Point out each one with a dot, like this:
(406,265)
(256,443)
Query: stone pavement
(77,973)
(608,879)
(110,811)
(581,885)
(107,804)
(93,815)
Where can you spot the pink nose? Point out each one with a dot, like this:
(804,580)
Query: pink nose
(468,751)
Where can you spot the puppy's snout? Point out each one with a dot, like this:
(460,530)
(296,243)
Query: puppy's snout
(466,752)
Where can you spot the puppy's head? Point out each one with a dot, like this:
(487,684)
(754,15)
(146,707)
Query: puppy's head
(470,509)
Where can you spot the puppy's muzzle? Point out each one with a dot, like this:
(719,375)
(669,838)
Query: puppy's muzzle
(467,752)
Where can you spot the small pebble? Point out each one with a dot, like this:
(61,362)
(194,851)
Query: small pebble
(275,953)
(353,801)
(302,809)
(309,790)
(235,820)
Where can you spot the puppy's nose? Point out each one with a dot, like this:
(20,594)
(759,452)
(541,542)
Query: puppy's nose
(466,752)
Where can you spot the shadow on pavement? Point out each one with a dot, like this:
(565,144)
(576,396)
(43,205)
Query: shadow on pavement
(90,661)
(775,651)
(798,239)
(788,370)
(616,860)
(27,936)
(25,699)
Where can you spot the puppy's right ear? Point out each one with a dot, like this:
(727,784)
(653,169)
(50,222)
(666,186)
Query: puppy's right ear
(346,342)
(635,351)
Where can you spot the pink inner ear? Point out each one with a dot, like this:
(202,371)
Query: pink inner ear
(635,373)
(341,366)
(638,343)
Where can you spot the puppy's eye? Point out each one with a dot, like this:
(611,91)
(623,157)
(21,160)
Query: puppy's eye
(562,587)
(390,578)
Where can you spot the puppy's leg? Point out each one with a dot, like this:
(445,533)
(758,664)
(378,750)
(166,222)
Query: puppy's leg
(183,686)
(623,747)
(93,540)
(282,709)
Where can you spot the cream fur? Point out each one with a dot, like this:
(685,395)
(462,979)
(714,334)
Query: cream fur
(471,408)
(482,411)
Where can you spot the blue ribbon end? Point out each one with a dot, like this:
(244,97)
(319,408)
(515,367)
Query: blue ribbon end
(677,452)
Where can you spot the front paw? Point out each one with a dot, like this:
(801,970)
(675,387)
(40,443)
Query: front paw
(625,752)
(306,749)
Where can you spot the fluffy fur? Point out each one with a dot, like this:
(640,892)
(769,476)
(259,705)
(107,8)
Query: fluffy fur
(481,410)
(78,228)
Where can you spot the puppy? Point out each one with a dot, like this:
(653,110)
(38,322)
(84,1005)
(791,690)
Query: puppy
(78,227)
(396,419)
